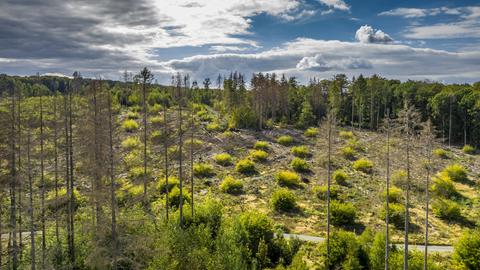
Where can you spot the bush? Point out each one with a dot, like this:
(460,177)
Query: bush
(399,178)
(245,166)
(196,144)
(172,182)
(321,192)
(288,179)
(203,170)
(396,214)
(174,197)
(285,140)
(255,227)
(231,185)
(457,173)
(467,250)
(441,153)
(363,165)
(156,120)
(301,151)
(261,145)
(446,209)
(355,145)
(130,125)
(346,135)
(223,159)
(132,115)
(468,149)
(300,165)
(342,214)
(345,252)
(215,127)
(395,195)
(283,200)
(138,172)
(348,152)
(311,132)
(340,177)
(258,155)
(443,186)
(131,142)
(156,137)
(243,117)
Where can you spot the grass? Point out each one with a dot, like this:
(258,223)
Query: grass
(457,173)
(223,159)
(395,195)
(443,186)
(301,151)
(288,179)
(348,152)
(441,153)
(468,149)
(363,165)
(321,191)
(447,210)
(342,214)
(283,200)
(130,125)
(258,155)
(346,135)
(131,143)
(203,170)
(261,145)
(231,185)
(311,132)
(245,166)
(340,177)
(133,115)
(285,140)
(300,165)
(172,182)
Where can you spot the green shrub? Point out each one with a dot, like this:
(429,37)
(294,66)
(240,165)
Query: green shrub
(172,182)
(345,252)
(300,165)
(62,200)
(288,179)
(311,132)
(399,178)
(395,195)
(243,117)
(468,149)
(155,108)
(446,209)
(223,159)
(441,153)
(396,214)
(196,143)
(231,185)
(245,166)
(258,155)
(443,186)
(215,127)
(174,197)
(285,140)
(174,152)
(255,227)
(131,142)
(340,177)
(261,145)
(467,250)
(138,172)
(203,170)
(457,173)
(355,145)
(156,120)
(348,152)
(205,116)
(132,115)
(321,192)
(130,125)
(156,136)
(346,135)
(342,214)
(133,158)
(301,151)
(283,200)
(363,165)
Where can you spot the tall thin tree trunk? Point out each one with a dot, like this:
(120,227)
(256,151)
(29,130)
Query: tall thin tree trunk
(165,152)
(328,186)
(55,146)
(191,160)
(13,203)
(67,173)
(72,186)
(113,202)
(427,194)
(30,205)
(407,197)
(450,122)
(180,169)
(42,183)
(96,183)
(387,210)
(353,110)
(144,142)
(20,180)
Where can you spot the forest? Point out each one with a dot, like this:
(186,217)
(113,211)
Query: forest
(227,173)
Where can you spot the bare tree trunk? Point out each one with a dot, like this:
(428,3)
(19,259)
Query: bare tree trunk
(96,183)
(427,194)
(42,183)
(72,186)
(30,206)
(20,181)
(328,186)
(191,161)
(55,146)
(165,149)
(450,122)
(180,169)
(144,143)
(387,210)
(13,203)
(113,202)
(353,110)
(407,197)
(67,173)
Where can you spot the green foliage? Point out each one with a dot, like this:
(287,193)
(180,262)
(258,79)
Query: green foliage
(245,166)
(399,178)
(355,145)
(231,185)
(131,143)
(441,153)
(321,192)
(342,214)
(261,145)
(396,214)
(132,115)
(285,140)
(311,132)
(174,197)
(283,200)
(348,152)
(301,151)
(468,149)
(138,172)
(345,251)
(340,177)
(172,182)
(346,135)
(62,200)
(215,127)
(130,125)
(203,170)
(467,250)
(223,159)
(457,173)
(395,195)
(288,178)
(300,165)
(306,117)
(443,186)
(447,209)
(258,155)
(156,120)
(243,117)
(363,165)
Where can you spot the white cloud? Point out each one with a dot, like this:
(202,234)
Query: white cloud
(336,4)
(319,63)
(366,34)
(222,48)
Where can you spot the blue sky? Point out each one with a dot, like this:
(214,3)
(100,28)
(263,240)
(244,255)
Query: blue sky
(435,40)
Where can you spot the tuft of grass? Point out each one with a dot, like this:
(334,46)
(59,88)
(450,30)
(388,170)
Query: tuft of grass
(443,186)
(441,153)
(133,115)
(203,170)
(363,165)
(300,165)
(174,197)
(396,214)
(348,152)
(346,135)
(283,200)
(261,145)
(131,143)
(446,210)
(258,155)
(355,145)
(340,177)
(288,179)
(231,185)
(301,151)
(245,166)
(468,149)
(343,214)
(395,195)
(130,125)
(285,140)
(172,182)
(321,191)
(156,120)
(138,172)
(311,132)
(223,159)
(457,173)
(215,127)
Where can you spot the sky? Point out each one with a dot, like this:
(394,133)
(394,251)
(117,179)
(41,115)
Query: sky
(420,40)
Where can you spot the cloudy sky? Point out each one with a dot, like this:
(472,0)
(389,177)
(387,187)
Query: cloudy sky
(436,40)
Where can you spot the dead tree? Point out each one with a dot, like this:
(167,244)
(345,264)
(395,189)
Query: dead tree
(191,159)
(42,184)
(387,199)
(30,204)
(428,136)
(13,251)
(329,176)
(165,149)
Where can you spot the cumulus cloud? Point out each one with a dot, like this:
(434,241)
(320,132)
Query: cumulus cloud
(366,34)
(336,4)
